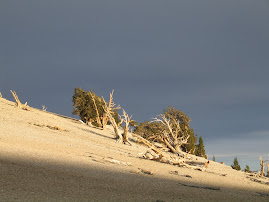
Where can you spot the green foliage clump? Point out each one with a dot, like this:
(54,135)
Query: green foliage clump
(235,164)
(214,158)
(150,131)
(247,169)
(84,107)
(191,145)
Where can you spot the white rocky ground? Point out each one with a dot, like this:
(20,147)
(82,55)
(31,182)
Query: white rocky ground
(46,157)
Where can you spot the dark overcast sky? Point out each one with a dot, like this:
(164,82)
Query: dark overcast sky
(207,58)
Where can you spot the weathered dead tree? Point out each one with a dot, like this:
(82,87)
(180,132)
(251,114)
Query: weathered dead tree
(126,119)
(98,120)
(267,169)
(108,115)
(108,108)
(149,144)
(18,103)
(173,136)
(44,108)
(262,167)
(156,154)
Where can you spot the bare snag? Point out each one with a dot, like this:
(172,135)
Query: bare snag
(108,115)
(18,103)
(126,119)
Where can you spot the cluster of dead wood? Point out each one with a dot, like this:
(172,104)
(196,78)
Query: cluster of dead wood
(156,154)
(170,137)
(109,108)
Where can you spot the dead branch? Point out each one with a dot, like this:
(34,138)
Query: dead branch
(108,108)
(262,167)
(44,108)
(149,144)
(18,103)
(126,119)
(157,155)
(96,109)
(267,169)
(173,137)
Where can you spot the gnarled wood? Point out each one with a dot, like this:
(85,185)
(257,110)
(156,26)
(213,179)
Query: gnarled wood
(149,144)
(267,169)
(262,166)
(171,137)
(126,119)
(18,103)
(163,157)
(108,108)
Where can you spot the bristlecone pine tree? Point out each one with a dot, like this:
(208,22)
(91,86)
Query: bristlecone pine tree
(235,164)
(214,158)
(172,129)
(247,169)
(89,107)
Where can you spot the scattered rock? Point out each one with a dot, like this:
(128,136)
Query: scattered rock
(148,172)
(173,172)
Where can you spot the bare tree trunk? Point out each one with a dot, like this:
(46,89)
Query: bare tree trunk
(104,120)
(115,126)
(126,119)
(18,103)
(173,149)
(125,136)
(170,137)
(267,169)
(150,145)
(108,108)
(262,166)
(96,109)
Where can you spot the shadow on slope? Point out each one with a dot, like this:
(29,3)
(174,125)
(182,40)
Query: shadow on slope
(24,179)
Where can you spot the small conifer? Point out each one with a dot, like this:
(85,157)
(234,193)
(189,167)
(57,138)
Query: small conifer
(247,169)
(235,164)
(214,159)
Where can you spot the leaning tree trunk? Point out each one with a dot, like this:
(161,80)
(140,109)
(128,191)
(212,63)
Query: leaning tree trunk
(115,126)
(126,119)
(18,103)
(267,169)
(262,166)
(96,109)
(108,108)
(124,136)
